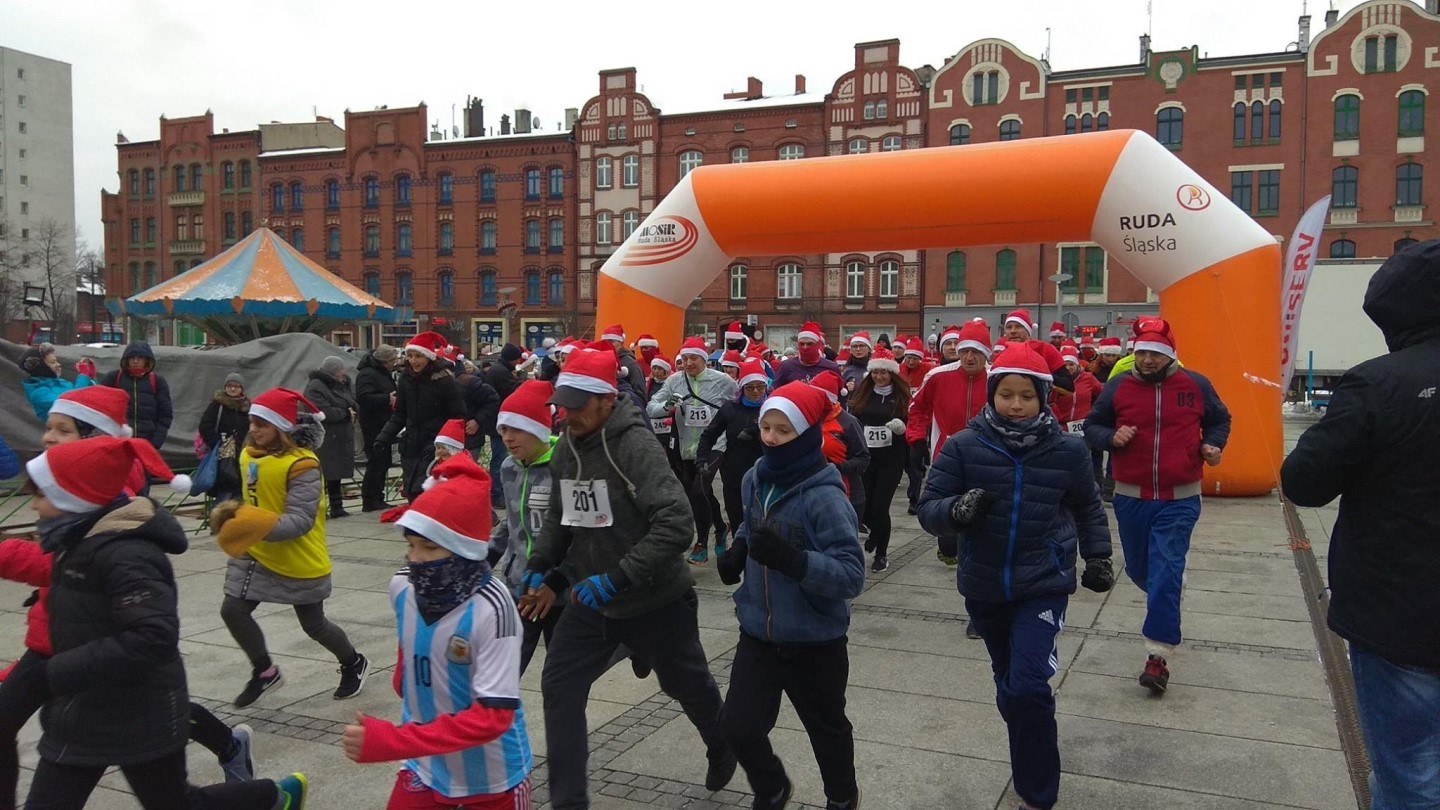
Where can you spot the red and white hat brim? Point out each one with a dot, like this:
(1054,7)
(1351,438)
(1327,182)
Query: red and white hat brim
(519,421)
(753,378)
(1029,327)
(471,548)
(1000,371)
(974,344)
(425,350)
(1155,346)
(583,382)
(101,422)
(44,480)
(694,352)
(947,337)
(449,442)
(864,340)
(612,336)
(789,410)
(883,365)
(648,343)
(806,334)
(276,419)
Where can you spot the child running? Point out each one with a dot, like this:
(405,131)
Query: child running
(1022,494)
(462,733)
(276,540)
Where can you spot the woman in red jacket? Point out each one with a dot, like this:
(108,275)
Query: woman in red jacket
(1072,408)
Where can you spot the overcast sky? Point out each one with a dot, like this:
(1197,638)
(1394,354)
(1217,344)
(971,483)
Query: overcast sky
(264,60)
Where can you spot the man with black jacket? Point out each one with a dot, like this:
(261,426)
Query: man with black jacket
(502,377)
(375,392)
(482,406)
(1376,449)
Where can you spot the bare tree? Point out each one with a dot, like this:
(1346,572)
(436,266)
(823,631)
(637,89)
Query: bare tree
(51,253)
(11,252)
(90,277)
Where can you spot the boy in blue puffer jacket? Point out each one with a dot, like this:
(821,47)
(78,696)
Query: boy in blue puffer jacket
(1023,495)
(798,550)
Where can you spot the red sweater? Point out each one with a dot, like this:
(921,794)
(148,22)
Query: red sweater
(1075,407)
(946,401)
(23,561)
(916,376)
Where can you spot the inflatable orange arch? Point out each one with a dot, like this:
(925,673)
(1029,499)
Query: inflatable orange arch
(1216,270)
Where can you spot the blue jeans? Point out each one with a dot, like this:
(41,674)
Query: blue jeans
(1022,639)
(1156,538)
(1400,715)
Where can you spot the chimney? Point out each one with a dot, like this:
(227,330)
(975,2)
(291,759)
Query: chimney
(1144,48)
(572,114)
(799,84)
(504,124)
(1330,17)
(522,121)
(751,92)
(1304,40)
(474,117)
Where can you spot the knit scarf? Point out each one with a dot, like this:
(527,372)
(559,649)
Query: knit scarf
(1020,434)
(54,532)
(443,585)
(885,390)
(788,464)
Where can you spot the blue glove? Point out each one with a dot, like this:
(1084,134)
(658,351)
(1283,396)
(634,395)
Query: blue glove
(531,581)
(594,591)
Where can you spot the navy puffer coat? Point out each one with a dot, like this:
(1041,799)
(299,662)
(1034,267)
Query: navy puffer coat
(1046,505)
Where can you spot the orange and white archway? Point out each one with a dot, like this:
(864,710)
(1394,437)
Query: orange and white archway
(1216,270)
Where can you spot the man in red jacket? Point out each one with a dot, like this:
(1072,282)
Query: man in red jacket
(1159,422)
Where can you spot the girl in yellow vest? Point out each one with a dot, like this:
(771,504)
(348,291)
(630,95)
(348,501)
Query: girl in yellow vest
(276,539)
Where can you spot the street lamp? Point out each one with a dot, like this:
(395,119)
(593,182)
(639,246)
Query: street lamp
(1060,278)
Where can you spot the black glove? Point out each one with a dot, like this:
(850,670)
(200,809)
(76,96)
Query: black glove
(731,564)
(970,507)
(775,552)
(708,463)
(920,454)
(1099,575)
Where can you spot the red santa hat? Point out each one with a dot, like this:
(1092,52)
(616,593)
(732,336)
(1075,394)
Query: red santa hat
(829,383)
(98,405)
(1111,346)
(802,403)
(660,362)
(614,332)
(83,476)
(1130,345)
(695,345)
(452,434)
(1057,329)
(915,346)
(430,344)
(445,512)
(734,332)
(1087,342)
(1018,358)
(1069,352)
(731,358)
(1022,317)
(810,330)
(753,370)
(527,408)
(587,372)
(883,360)
(1153,335)
(281,408)
(647,342)
(843,356)
(976,335)
(861,337)
(949,333)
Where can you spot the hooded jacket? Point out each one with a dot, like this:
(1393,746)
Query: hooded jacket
(116,677)
(652,522)
(333,397)
(43,391)
(151,411)
(792,370)
(482,404)
(738,425)
(706,393)
(527,498)
(501,375)
(373,387)
(1376,450)
(226,417)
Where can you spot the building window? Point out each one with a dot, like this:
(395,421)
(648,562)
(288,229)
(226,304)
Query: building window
(792,151)
(1005,269)
(739,282)
(859,146)
(1087,122)
(1404,242)
(1407,183)
(1102,121)
(135,277)
(332,243)
(740,154)
(23,128)
(620,131)
(228,227)
(1412,113)
(532,288)
(447,238)
(1267,198)
(487,288)
(447,188)
(630,171)
(1071,125)
(297,239)
(629,221)
(869,111)
(602,228)
(277,198)
(149,182)
(690,161)
(372,192)
(1170,127)
(1342,249)
(487,187)
(788,281)
(1241,185)
(603,169)
(556,290)
(372,284)
(889,279)
(135,182)
(403,246)
(332,195)
(1347,117)
(959,134)
(891,143)
(150,230)
(1239,123)
(227,175)
(488,236)
(197,177)
(855,280)
(557,182)
(1257,121)
(150,276)
(532,236)
(1070,266)
(402,191)
(1009,130)
(404,289)
(955,271)
(1344,183)
(197,226)
(556,241)
(1094,270)
(985,88)
(446,282)
(1275,108)
(1380,54)
(882,109)
(532,184)
(244,174)
(134,230)
(372,241)
(297,197)
(180,176)
(179,267)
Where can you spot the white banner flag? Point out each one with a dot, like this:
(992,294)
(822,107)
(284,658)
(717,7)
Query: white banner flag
(1300,255)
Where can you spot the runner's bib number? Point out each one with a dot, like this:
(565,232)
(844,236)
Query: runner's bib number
(661,425)
(698,416)
(878,436)
(586,504)
(1076,428)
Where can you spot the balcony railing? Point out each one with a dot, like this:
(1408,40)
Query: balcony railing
(1409,213)
(954,299)
(1344,216)
(1005,298)
(187,247)
(186,198)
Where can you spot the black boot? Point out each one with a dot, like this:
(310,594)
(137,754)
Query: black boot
(335,493)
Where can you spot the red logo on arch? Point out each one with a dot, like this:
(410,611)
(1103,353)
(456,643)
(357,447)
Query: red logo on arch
(1192,197)
(659,240)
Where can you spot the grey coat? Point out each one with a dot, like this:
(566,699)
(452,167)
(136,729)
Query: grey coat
(247,579)
(652,527)
(336,400)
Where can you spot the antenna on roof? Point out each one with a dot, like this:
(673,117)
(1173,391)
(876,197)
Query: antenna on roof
(1149,17)
(1047,44)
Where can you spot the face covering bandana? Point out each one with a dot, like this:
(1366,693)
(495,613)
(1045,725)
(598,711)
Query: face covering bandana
(810,355)
(649,354)
(443,585)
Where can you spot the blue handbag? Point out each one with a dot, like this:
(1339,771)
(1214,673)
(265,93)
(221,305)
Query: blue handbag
(203,479)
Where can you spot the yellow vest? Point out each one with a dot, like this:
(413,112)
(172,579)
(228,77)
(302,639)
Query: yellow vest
(267,481)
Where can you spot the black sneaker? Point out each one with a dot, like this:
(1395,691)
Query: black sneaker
(639,667)
(970,631)
(869,544)
(911,510)
(776,802)
(258,686)
(852,804)
(352,677)
(880,564)
(721,770)
(374,506)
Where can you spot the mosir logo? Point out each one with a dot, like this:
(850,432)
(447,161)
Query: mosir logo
(1147,243)
(1192,197)
(660,240)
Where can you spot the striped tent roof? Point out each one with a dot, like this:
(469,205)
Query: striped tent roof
(261,276)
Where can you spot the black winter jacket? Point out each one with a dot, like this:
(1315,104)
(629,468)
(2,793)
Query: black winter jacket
(1377,449)
(739,424)
(373,387)
(116,679)
(423,403)
(151,411)
(481,404)
(879,410)
(1046,505)
(226,417)
(502,378)
(333,397)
